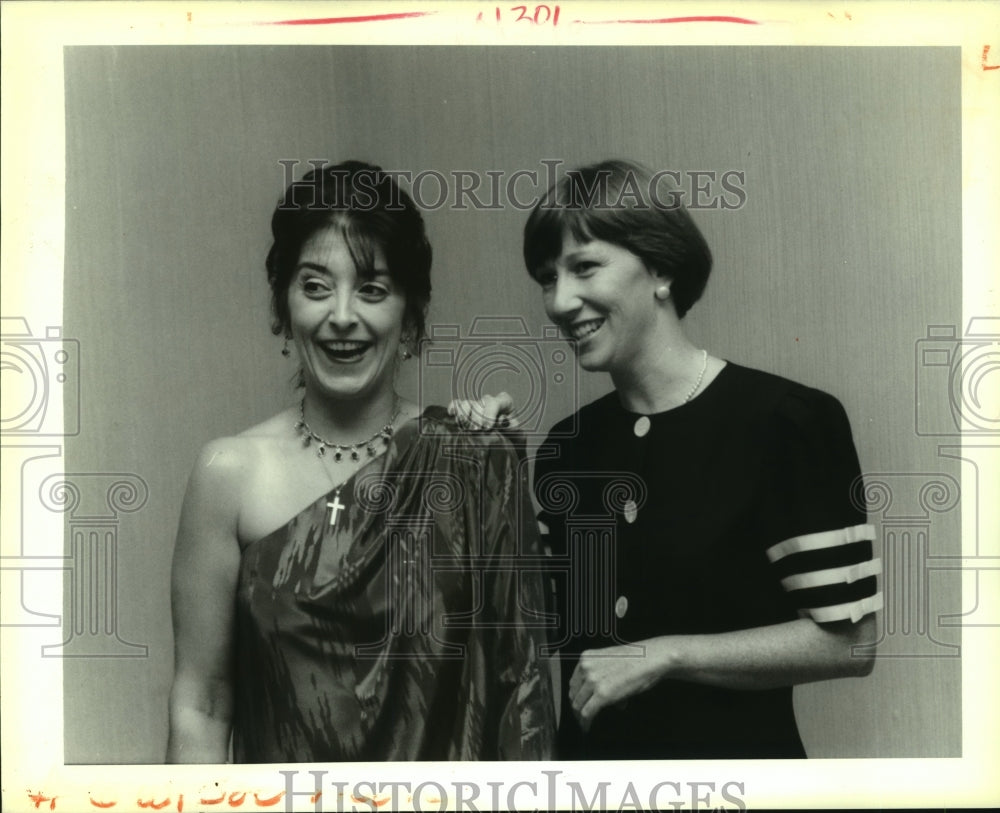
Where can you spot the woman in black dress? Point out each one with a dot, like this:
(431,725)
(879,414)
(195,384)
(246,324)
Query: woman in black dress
(708,552)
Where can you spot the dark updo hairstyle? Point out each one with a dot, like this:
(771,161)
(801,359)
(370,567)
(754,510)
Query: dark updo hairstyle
(624,203)
(372,212)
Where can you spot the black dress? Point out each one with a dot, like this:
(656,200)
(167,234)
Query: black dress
(739,509)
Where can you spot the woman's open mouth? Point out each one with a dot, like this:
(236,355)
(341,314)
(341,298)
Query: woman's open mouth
(344,351)
(580,331)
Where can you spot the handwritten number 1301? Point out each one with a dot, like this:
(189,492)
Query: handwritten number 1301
(537,15)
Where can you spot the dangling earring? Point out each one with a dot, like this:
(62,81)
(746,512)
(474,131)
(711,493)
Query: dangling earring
(662,293)
(284,350)
(404,351)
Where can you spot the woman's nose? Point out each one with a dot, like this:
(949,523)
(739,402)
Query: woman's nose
(565,299)
(342,313)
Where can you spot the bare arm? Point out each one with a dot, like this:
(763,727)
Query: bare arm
(203,588)
(784,654)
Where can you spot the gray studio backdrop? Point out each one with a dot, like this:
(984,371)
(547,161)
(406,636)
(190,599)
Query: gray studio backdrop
(844,252)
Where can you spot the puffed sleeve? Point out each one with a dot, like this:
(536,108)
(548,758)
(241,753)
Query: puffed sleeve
(516,599)
(815,533)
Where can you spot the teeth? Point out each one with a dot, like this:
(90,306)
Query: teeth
(583,330)
(345,347)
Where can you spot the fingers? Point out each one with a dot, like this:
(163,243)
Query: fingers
(464,414)
(504,405)
(581,692)
(476,414)
(459,410)
(490,411)
(575,680)
(592,688)
(498,411)
(589,711)
(585,703)
(485,412)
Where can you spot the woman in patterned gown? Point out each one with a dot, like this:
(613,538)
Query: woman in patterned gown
(347,580)
(710,549)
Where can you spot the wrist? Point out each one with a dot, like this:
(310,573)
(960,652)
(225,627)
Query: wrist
(664,658)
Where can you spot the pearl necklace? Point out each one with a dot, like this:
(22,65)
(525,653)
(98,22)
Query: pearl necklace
(642,425)
(701,376)
(340,449)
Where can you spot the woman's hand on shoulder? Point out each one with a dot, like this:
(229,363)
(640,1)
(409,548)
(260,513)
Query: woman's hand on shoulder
(488,412)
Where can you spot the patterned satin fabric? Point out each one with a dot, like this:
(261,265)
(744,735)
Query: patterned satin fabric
(408,630)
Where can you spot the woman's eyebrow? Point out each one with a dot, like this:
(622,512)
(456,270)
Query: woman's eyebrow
(576,254)
(373,273)
(307,266)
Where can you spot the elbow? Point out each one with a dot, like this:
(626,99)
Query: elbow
(850,647)
(859,652)
(200,721)
(861,665)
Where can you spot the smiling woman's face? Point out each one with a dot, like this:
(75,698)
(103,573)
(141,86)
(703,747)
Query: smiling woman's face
(601,295)
(345,325)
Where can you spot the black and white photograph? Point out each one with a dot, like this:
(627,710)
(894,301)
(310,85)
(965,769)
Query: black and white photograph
(470,406)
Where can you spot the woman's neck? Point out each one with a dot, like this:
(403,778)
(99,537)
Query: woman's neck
(663,376)
(348,421)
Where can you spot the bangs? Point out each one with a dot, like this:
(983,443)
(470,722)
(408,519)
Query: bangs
(589,204)
(546,228)
(362,245)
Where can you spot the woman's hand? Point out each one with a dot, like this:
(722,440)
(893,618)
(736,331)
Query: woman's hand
(604,677)
(488,412)
(785,654)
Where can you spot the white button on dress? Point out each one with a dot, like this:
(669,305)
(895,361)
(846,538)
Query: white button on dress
(631,511)
(621,606)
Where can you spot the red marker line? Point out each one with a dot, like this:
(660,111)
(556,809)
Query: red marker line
(738,20)
(367,18)
(986,53)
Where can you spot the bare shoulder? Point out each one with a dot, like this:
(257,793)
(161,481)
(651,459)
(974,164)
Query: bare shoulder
(222,465)
(225,465)
(273,428)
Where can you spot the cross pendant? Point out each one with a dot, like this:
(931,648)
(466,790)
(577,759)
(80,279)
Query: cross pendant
(335,507)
